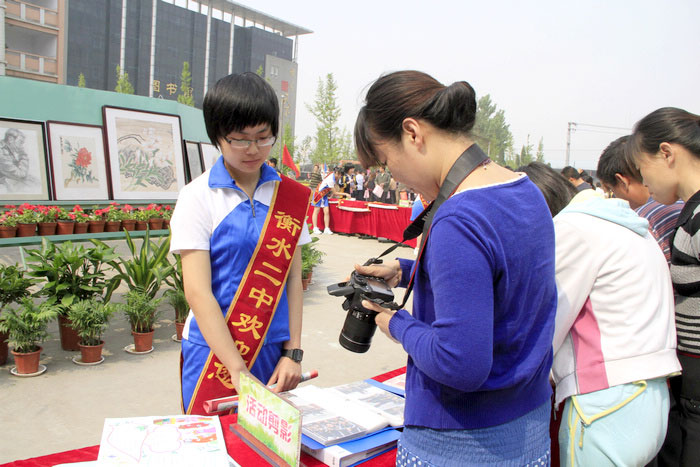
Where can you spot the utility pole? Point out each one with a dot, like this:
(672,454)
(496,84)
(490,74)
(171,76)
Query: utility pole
(571,127)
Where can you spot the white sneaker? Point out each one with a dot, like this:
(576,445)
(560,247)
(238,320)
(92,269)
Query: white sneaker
(317,231)
(328,231)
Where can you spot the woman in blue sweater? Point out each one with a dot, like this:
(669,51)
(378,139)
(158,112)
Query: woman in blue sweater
(479,340)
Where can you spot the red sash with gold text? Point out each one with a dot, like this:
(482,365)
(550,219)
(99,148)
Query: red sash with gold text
(249,316)
(318,195)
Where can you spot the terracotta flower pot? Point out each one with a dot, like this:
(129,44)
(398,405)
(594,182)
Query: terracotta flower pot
(166,223)
(27,363)
(155,223)
(305,283)
(47,228)
(143,341)
(178,330)
(112,226)
(7,231)
(69,336)
(65,227)
(141,225)
(3,348)
(80,228)
(96,226)
(129,224)
(26,230)
(91,353)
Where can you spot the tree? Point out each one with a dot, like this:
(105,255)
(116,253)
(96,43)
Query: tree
(526,153)
(540,151)
(185,96)
(81,80)
(328,140)
(123,84)
(260,71)
(491,131)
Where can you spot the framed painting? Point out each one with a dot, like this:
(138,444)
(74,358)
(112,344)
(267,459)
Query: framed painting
(145,153)
(23,169)
(78,161)
(210,154)
(194,159)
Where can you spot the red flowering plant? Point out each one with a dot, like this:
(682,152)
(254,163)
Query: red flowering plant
(112,213)
(78,215)
(8,218)
(141,214)
(154,211)
(128,211)
(48,213)
(65,215)
(167,211)
(27,214)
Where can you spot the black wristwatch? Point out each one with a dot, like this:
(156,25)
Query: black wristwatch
(294,354)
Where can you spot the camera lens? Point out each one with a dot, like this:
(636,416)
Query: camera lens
(357,332)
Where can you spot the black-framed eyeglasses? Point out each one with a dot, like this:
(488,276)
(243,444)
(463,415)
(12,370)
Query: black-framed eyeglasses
(245,143)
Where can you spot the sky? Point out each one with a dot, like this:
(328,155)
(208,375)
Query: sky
(545,63)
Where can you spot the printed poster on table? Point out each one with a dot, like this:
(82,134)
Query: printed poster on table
(162,441)
(273,421)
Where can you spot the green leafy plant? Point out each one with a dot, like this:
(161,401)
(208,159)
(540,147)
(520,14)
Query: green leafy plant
(90,319)
(72,272)
(27,215)
(310,257)
(13,285)
(141,310)
(176,295)
(26,325)
(145,270)
(8,218)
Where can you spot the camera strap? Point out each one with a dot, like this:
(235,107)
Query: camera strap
(469,160)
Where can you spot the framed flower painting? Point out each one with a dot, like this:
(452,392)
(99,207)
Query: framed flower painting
(210,154)
(23,174)
(194,159)
(78,162)
(145,153)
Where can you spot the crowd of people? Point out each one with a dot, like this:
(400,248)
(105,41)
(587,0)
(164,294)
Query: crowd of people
(576,301)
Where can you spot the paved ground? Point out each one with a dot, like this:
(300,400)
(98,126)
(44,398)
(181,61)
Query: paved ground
(65,407)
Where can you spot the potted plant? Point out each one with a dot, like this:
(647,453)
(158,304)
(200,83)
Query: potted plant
(176,297)
(48,219)
(155,217)
(142,312)
(81,220)
(113,217)
(26,328)
(141,216)
(27,218)
(72,272)
(96,223)
(13,288)
(145,270)
(8,224)
(128,221)
(167,214)
(310,258)
(89,318)
(66,222)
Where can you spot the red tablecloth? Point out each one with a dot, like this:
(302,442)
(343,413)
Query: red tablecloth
(374,219)
(234,445)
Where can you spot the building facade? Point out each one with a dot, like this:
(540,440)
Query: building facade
(149,40)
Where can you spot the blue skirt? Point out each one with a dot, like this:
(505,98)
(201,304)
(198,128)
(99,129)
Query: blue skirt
(522,442)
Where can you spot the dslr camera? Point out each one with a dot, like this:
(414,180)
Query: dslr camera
(358,329)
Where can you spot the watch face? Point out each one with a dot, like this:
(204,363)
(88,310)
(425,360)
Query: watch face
(294,354)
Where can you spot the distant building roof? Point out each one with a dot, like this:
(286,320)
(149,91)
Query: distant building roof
(285,28)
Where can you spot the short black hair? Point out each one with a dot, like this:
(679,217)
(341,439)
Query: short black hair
(570,172)
(238,101)
(615,159)
(556,189)
(274,160)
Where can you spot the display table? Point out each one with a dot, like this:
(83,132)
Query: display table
(236,448)
(373,219)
